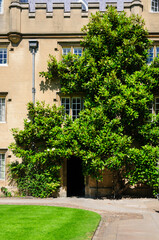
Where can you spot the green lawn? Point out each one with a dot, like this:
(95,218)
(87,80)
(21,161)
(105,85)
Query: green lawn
(19,222)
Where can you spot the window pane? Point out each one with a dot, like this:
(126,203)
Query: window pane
(74,113)
(150,55)
(154,5)
(65,51)
(2,109)
(150,108)
(157,105)
(66,103)
(0,6)
(76,107)
(157,51)
(77,51)
(157,100)
(2,166)
(3,55)
(157,111)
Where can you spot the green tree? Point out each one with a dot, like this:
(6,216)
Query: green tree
(114,130)
(38,172)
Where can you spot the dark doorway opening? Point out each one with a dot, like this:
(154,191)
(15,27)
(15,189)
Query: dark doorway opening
(75,178)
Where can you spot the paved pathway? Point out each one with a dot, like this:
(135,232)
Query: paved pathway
(125,219)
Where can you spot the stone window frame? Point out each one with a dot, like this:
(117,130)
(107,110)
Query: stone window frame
(155,6)
(2,109)
(68,45)
(60,96)
(73,110)
(3,95)
(3,47)
(152,53)
(72,49)
(2,165)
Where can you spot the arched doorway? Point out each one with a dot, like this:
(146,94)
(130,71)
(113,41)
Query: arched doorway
(75,178)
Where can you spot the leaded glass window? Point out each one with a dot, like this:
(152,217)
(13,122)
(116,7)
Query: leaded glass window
(155,5)
(66,103)
(1,7)
(72,106)
(65,51)
(157,105)
(150,55)
(2,109)
(76,107)
(77,51)
(2,166)
(3,56)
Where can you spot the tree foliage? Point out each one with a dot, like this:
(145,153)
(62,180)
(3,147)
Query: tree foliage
(38,173)
(114,130)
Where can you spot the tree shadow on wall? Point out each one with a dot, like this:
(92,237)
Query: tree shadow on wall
(48,84)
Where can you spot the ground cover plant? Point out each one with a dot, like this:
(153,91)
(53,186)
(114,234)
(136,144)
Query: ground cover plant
(45,222)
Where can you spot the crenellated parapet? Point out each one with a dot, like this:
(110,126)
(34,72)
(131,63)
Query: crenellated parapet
(85,4)
(59,16)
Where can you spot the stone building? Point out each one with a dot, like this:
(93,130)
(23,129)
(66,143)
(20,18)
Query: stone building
(50,27)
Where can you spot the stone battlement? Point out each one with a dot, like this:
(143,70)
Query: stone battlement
(67,4)
(57,16)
